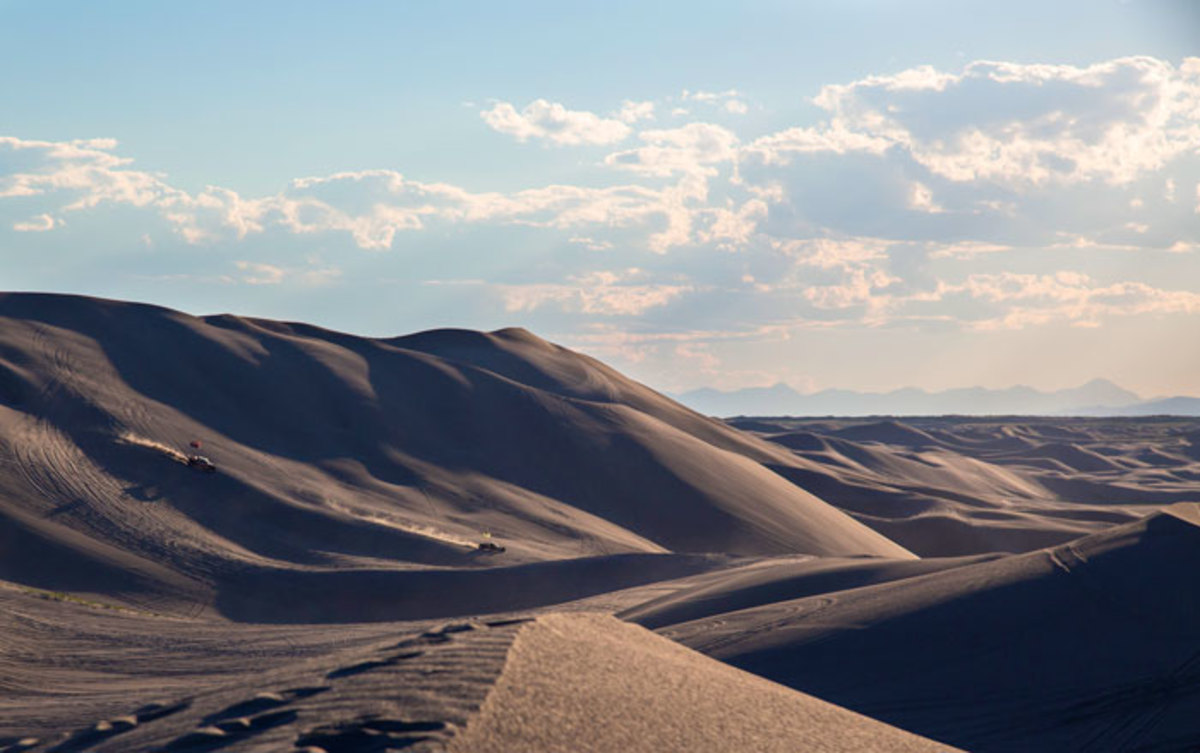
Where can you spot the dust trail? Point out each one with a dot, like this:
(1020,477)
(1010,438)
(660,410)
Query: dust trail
(426,531)
(171,452)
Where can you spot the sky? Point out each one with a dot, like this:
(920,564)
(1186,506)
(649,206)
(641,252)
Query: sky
(862,195)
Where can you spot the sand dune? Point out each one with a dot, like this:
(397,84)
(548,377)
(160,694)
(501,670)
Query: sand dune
(735,589)
(1089,645)
(345,453)
(367,490)
(645,681)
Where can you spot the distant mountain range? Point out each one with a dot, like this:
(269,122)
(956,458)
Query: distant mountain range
(1098,397)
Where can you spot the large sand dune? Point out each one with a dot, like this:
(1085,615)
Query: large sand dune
(344,453)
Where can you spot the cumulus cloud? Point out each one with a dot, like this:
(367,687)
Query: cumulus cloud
(85,173)
(631,112)
(371,206)
(551,121)
(1018,123)
(694,148)
(836,138)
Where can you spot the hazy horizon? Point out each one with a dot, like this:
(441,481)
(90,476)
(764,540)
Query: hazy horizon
(867,197)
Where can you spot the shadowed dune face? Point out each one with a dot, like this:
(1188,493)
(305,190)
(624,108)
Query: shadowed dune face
(1092,643)
(776,581)
(336,452)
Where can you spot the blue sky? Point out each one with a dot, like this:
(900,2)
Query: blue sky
(863,194)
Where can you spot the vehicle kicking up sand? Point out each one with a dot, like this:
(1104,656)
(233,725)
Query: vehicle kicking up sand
(201,463)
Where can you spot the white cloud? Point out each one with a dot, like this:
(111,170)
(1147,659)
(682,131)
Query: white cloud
(254,273)
(731,228)
(372,206)
(1068,295)
(834,253)
(693,148)
(603,293)
(736,107)
(862,286)
(258,273)
(551,121)
(779,148)
(707,96)
(591,244)
(965,250)
(920,198)
(38,224)
(1029,124)
(631,112)
(85,171)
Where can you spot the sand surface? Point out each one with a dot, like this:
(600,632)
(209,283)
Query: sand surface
(998,584)
(564,671)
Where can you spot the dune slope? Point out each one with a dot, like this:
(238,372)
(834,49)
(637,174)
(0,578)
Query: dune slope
(1091,645)
(569,677)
